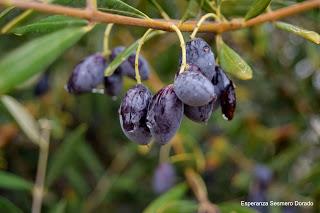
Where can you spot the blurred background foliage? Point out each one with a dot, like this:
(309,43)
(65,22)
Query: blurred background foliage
(91,163)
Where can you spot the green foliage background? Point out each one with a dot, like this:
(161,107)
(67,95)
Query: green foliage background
(277,121)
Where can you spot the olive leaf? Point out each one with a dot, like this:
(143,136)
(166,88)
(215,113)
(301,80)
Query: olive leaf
(191,11)
(228,207)
(257,7)
(231,62)
(25,120)
(60,207)
(307,34)
(185,206)
(50,24)
(173,194)
(120,7)
(14,182)
(64,155)
(231,8)
(35,56)
(8,207)
(126,53)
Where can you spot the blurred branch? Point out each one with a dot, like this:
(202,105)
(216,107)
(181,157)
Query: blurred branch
(195,181)
(42,166)
(188,26)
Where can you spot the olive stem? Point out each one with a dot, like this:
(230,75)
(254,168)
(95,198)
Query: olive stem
(188,26)
(199,23)
(106,49)
(165,153)
(136,61)
(183,48)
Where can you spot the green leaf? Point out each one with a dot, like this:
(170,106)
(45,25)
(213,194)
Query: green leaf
(173,194)
(230,207)
(60,207)
(307,34)
(257,7)
(126,53)
(90,159)
(65,154)
(25,120)
(185,206)
(35,56)
(50,24)
(232,63)
(8,207)
(5,11)
(231,8)
(120,7)
(191,11)
(77,181)
(14,182)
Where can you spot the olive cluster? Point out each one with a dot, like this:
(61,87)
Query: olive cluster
(196,92)
(89,73)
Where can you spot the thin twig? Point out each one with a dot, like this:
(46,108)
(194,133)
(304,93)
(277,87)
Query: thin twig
(38,189)
(160,24)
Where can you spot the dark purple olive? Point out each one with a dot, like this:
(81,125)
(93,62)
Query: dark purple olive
(199,53)
(164,116)
(263,175)
(87,74)
(200,114)
(226,93)
(43,85)
(133,113)
(113,84)
(127,67)
(193,88)
(164,178)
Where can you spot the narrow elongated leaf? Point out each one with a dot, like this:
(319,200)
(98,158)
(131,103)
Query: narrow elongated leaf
(35,56)
(8,207)
(235,207)
(257,7)
(307,34)
(5,11)
(232,63)
(173,194)
(60,207)
(77,181)
(65,154)
(90,159)
(125,54)
(14,182)
(25,120)
(120,7)
(191,11)
(50,24)
(185,206)
(231,8)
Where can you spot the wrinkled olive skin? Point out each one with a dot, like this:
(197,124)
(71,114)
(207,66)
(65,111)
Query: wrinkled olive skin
(127,67)
(199,53)
(193,88)
(164,116)
(87,75)
(133,113)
